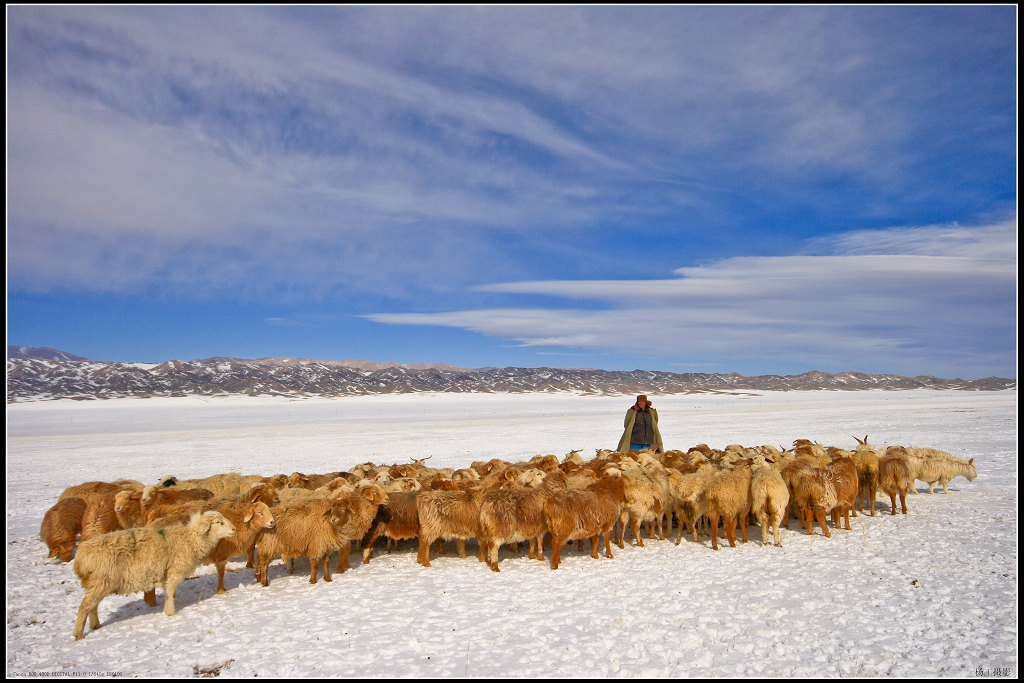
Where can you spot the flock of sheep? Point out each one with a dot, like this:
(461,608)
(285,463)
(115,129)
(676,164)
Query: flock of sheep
(136,537)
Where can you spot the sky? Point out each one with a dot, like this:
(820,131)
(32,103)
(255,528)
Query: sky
(762,190)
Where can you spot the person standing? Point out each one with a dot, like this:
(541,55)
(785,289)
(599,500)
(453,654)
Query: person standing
(641,428)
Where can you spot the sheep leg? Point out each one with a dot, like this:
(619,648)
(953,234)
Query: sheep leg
(729,524)
(170,585)
(423,554)
(892,499)
(150,597)
(556,551)
(743,525)
(89,608)
(440,546)
(595,544)
(635,526)
(460,547)
(492,550)
(903,502)
(250,558)
(762,520)
(540,546)
(607,545)
(327,567)
(714,532)
(222,565)
(820,515)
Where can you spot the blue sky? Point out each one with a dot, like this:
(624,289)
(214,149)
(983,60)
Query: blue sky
(765,190)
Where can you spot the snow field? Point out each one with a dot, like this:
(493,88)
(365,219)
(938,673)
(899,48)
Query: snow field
(932,593)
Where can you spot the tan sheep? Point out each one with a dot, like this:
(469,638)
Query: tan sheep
(140,559)
(690,494)
(866,458)
(769,497)
(939,467)
(446,515)
(895,476)
(311,530)
(728,499)
(813,491)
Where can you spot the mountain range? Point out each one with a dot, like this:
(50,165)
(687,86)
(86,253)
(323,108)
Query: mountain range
(35,374)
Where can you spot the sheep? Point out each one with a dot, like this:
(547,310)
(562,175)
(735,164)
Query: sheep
(61,525)
(769,497)
(574,514)
(510,515)
(690,493)
(895,476)
(935,466)
(844,473)
(866,458)
(642,502)
(656,472)
(445,515)
(404,522)
(813,490)
(310,481)
(140,559)
(128,509)
(728,499)
(155,501)
(311,530)
(368,506)
(250,520)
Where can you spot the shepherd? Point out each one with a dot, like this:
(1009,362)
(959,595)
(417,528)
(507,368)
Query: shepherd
(641,428)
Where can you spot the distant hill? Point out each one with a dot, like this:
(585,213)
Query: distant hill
(40,352)
(42,374)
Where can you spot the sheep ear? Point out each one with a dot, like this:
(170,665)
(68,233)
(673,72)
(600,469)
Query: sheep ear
(971,461)
(249,513)
(369,493)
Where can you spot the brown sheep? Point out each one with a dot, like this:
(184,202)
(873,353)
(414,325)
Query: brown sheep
(61,525)
(404,522)
(156,501)
(510,515)
(366,504)
(574,514)
(844,472)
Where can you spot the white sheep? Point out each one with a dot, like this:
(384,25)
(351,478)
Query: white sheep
(140,559)
(933,466)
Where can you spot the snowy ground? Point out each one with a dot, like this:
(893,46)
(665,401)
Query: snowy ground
(933,593)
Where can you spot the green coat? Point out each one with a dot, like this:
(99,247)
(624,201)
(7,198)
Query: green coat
(624,442)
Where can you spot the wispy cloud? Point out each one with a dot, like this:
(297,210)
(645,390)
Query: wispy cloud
(914,309)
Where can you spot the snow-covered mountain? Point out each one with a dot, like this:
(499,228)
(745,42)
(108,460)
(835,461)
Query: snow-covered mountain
(33,379)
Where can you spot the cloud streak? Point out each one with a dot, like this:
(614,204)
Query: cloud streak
(918,310)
